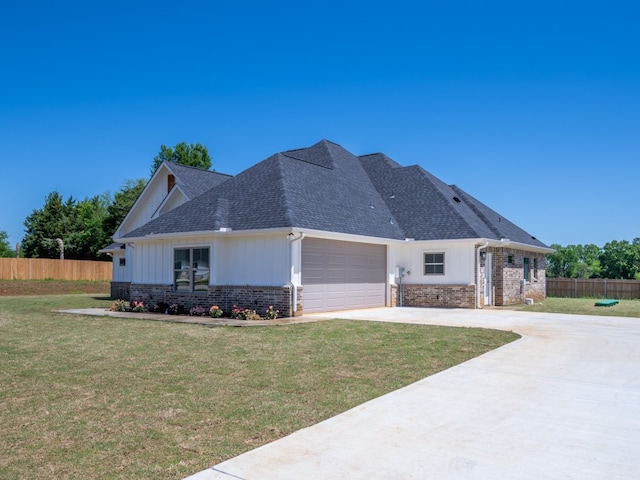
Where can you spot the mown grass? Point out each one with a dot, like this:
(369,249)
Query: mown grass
(584,306)
(106,398)
(52,287)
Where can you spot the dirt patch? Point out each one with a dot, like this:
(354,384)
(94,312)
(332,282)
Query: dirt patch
(51,287)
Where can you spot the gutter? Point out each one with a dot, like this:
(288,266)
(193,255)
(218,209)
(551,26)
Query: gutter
(294,286)
(481,247)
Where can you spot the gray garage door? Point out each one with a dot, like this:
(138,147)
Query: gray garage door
(342,275)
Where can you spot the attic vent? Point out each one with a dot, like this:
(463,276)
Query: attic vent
(534,238)
(456,199)
(171,181)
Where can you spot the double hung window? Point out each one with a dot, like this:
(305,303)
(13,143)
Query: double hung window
(434,263)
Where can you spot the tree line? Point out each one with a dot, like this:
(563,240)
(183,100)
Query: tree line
(78,229)
(616,260)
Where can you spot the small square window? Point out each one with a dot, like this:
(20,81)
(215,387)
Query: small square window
(434,263)
(122,262)
(509,258)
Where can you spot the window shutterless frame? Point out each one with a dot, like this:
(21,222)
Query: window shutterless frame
(433,263)
(191,269)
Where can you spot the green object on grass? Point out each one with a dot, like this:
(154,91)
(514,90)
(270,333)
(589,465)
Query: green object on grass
(606,303)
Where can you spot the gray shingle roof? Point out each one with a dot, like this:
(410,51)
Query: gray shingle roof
(195,181)
(325,187)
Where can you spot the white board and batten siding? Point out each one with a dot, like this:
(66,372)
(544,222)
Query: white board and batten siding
(122,273)
(339,275)
(251,260)
(147,205)
(459,266)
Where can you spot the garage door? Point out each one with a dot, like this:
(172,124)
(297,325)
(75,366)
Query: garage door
(342,275)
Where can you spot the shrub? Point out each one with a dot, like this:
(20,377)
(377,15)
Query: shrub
(137,306)
(119,306)
(197,311)
(271,313)
(175,309)
(160,307)
(237,312)
(251,315)
(216,311)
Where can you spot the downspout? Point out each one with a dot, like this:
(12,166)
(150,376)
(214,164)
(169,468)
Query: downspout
(481,247)
(294,286)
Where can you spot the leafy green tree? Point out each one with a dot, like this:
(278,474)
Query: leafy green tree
(78,226)
(621,259)
(588,261)
(122,202)
(43,227)
(5,247)
(193,155)
(636,243)
(574,261)
(87,235)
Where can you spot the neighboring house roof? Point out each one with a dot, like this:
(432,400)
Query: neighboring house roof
(324,187)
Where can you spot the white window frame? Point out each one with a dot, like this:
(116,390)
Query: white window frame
(433,263)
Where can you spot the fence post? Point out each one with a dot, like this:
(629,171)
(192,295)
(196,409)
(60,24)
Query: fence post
(605,287)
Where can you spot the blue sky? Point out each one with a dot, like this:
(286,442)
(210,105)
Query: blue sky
(531,107)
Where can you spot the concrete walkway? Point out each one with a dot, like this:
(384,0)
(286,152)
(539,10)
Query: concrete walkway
(563,402)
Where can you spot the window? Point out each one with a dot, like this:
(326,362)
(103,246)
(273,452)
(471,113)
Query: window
(191,269)
(509,258)
(535,269)
(525,263)
(434,263)
(122,262)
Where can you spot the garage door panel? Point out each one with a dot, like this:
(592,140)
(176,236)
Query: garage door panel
(342,275)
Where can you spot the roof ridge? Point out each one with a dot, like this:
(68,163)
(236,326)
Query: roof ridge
(182,165)
(221,213)
(309,155)
(288,212)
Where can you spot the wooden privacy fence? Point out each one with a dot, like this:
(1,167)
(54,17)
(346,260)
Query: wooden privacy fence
(593,287)
(44,268)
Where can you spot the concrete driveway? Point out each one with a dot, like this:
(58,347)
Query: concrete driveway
(562,402)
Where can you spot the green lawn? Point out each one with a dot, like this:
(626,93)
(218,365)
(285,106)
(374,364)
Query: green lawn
(584,306)
(100,397)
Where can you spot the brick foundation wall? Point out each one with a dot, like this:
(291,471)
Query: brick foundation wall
(448,296)
(225,296)
(120,290)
